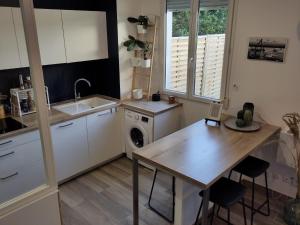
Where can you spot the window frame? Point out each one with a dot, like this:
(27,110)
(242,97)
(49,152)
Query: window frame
(194,20)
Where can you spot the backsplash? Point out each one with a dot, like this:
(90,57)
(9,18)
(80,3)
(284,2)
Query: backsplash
(60,79)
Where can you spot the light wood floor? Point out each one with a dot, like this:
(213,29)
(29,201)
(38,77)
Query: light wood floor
(104,197)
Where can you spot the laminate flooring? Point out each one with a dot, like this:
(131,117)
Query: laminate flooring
(104,197)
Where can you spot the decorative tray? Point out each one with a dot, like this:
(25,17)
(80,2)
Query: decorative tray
(230,123)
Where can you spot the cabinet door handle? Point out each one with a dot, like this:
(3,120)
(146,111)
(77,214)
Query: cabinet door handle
(10,176)
(67,125)
(10,153)
(102,114)
(5,143)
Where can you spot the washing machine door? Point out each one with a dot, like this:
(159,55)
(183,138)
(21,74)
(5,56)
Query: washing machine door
(137,137)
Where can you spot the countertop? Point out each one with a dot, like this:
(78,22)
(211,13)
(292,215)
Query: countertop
(188,153)
(54,117)
(149,107)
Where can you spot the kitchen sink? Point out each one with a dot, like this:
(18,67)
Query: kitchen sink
(82,106)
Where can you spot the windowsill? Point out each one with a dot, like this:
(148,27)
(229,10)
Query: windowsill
(187,98)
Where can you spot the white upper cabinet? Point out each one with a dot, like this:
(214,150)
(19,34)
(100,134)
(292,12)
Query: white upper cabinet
(85,35)
(18,22)
(64,36)
(9,55)
(50,35)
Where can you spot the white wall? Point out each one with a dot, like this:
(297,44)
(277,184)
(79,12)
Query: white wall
(126,8)
(272,87)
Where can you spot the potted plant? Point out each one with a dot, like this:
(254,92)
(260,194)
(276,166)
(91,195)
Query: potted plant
(134,44)
(292,208)
(142,23)
(146,62)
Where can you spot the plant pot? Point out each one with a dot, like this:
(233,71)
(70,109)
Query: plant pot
(137,94)
(291,213)
(146,63)
(136,62)
(141,29)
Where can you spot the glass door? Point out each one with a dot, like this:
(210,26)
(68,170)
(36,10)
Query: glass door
(26,158)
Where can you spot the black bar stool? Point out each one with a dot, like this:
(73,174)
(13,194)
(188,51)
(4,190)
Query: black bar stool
(225,193)
(253,167)
(171,220)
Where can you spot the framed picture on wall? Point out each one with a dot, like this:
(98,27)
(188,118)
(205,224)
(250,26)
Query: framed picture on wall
(268,49)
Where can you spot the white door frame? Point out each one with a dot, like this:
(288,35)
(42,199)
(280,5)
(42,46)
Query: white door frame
(27,9)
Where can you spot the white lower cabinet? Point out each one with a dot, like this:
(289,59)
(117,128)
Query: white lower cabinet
(85,142)
(104,135)
(21,165)
(70,148)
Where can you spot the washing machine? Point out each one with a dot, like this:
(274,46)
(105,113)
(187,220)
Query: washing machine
(138,131)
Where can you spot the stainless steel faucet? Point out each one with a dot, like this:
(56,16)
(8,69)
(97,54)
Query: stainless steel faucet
(77,96)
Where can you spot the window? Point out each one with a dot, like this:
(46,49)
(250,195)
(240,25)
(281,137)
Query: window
(196,33)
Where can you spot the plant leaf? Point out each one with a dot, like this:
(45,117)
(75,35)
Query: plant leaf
(131,37)
(141,44)
(132,20)
(131,46)
(127,43)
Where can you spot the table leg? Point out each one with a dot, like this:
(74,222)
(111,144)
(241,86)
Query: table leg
(135,184)
(205,207)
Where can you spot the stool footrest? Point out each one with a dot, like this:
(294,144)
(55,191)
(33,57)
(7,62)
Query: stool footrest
(258,209)
(160,214)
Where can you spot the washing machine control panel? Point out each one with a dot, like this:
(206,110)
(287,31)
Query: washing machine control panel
(145,119)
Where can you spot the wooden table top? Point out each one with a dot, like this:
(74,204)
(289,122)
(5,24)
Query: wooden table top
(201,154)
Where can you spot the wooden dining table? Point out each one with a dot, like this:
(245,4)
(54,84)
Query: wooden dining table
(200,155)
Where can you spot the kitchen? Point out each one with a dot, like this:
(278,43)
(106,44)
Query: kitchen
(89,137)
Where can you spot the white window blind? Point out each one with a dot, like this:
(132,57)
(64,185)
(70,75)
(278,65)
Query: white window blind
(174,5)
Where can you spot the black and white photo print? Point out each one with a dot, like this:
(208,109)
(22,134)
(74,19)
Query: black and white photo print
(269,49)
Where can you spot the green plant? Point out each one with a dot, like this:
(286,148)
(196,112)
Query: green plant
(132,43)
(141,20)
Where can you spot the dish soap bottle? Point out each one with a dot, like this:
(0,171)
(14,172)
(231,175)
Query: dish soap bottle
(22,87)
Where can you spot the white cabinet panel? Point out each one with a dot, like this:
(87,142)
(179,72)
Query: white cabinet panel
(22,180)
(9,55)
(18,22)
(85,35)
(51,36)
(104,135)
(70,148)
(21,168)
(45,211)
(18,157)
